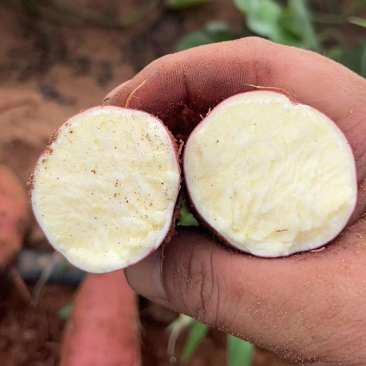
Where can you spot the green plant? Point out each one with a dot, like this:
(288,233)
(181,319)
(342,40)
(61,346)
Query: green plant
(290,25)
(65,312)
(358,21)
(354,59)
(196,334)
(239,352)
(186,218)
(213,32)
(293,24)
(185,4)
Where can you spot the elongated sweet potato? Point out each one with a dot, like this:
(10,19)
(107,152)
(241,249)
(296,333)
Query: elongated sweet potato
(103,329)
(14,215)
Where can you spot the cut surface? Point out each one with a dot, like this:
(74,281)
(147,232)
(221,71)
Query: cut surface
(270,177)
(104,192)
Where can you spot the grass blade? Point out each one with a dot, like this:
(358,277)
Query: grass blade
(185,4)
(65,312)
(363,61)
(186,218)
(357,21)
(195,336)
(303,20)
(239,352)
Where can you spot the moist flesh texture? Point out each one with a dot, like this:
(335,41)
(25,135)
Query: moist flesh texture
(105,190)
(270,177)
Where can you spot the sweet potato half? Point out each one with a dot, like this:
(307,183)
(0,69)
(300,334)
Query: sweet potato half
(268,176)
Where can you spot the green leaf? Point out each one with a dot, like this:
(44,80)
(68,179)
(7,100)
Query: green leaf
(264,20)
(304,24)
(186,218)
(358,21)
(239,352)
(334,53)
(288,23)
(363,62)
(214,32)
(65,312)
(247,6)
(194,39)
(355,59)
(220,31)
(195,336)
(290,26)
(184,4)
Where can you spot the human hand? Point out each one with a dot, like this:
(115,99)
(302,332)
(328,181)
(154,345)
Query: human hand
(307,307)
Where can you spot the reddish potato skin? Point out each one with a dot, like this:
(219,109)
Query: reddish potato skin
(104,324)
(15,216)
(210,229)
(178,204)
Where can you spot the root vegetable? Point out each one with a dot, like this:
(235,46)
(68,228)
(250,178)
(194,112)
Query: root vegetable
(268,176)
(14,215)
(104,325)
(105,190)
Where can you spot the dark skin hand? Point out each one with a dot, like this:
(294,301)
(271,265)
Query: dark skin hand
(309,307)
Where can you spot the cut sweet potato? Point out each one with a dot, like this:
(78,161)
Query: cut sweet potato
(270,177)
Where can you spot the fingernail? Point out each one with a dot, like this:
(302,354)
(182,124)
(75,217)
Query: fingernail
(145,277)
(114,91)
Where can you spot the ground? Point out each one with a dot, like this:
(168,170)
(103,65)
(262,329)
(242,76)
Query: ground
(48,72)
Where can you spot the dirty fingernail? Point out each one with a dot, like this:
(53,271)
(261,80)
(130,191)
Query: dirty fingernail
(145,277)
(114,91)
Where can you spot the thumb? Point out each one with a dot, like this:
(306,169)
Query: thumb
(294,306)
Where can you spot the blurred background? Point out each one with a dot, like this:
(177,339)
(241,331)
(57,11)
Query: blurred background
(59,56)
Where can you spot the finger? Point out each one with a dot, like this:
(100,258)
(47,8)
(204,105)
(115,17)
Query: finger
(115,91)
(202,77)
(298,306)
